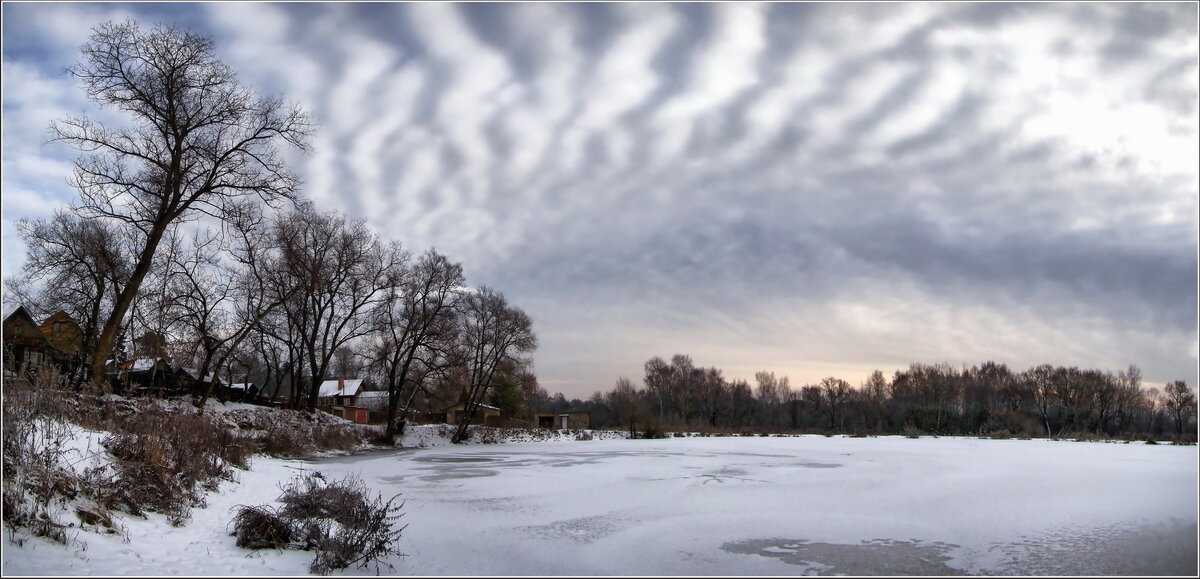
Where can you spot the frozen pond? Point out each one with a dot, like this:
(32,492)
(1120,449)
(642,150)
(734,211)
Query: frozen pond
(790,506)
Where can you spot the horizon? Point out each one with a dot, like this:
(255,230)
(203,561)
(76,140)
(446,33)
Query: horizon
(806,189)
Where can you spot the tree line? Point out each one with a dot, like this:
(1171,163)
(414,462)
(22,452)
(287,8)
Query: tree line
(983,399)
(189,238)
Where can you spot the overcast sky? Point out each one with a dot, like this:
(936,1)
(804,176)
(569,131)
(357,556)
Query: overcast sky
(812,189)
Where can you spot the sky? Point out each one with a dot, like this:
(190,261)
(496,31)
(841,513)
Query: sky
(809,189)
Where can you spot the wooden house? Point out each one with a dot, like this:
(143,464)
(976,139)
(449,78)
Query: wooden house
(25,346)
(339,397)
(564,420)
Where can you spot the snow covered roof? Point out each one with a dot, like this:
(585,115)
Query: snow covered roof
(143,364)
(240,386)
(330,388)
(193,373)
(373,394)
(463,405)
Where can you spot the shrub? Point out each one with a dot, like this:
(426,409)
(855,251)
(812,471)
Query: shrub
(163,460)
(261,527)
(911,431)
(38,478)
(583,435)
(652,430)
(336,519)
(1000,434)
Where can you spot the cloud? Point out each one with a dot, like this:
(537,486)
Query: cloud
(815,189)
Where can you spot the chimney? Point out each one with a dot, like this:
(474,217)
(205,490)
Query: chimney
(341,384)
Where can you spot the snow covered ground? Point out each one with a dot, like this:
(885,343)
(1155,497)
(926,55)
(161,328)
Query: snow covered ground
(713,506)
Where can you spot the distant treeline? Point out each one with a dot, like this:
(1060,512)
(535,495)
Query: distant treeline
(988,399)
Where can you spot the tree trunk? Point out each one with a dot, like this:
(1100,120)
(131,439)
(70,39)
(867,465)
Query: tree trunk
(108,337)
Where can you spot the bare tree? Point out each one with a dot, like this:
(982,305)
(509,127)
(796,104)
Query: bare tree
(875,395)
(771,392)
(1039,382)
(414,324)
(713,396)
(224,301)
(835,393)
(1180,403)
(73,265)
(197,139)
(659,384)
(627,403)
(332,273)
(494,334)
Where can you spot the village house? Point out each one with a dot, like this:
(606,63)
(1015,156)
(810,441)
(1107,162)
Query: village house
(63,334)
(339,397)
(25,346)
(142,376)
(30,345)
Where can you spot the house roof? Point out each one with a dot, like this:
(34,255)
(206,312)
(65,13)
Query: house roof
(373,394)
(241,385)
(142,364)
(193,373)
(11,310)
(463,404)
(330,388)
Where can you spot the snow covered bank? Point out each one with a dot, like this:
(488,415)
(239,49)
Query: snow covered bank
(430,435)
(731,506)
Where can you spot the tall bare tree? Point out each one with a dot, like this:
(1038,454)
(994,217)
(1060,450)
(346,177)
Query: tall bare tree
(494,334)
(836,394)
(1181,403)
(414,325)
(197,139)
(332,273)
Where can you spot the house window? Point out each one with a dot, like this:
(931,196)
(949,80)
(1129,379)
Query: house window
(34,359)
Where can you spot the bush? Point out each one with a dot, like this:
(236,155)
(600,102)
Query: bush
(335,519)
(163,461)
(911,431)
(652,430)
(39,481)
(261,528)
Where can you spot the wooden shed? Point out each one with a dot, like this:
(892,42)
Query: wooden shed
(564,420)
(486,415)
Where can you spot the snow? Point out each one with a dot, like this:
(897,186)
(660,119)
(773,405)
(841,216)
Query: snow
(704,506)
(143,364)
(334,388)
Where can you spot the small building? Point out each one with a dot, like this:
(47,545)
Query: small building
(484,414)
(339,397)
(564,420)
(146,375)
